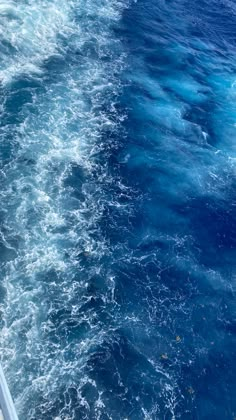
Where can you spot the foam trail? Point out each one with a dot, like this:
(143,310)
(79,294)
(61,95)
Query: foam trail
(48,219)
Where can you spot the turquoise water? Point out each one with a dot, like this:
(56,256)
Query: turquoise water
(117,210)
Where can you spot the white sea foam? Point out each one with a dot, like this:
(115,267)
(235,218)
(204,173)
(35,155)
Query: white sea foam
(29,34)
(47,226)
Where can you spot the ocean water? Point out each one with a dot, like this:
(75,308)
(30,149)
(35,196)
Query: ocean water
(118,208)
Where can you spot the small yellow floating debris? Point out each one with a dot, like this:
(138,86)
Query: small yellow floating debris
(164,356)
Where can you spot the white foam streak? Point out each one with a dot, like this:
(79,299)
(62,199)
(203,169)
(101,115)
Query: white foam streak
(45,220)
(29,34)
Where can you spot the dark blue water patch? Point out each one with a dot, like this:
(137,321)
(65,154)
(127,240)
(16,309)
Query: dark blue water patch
(213,222)
(75,180)
(15,98)
(52,67)
(179,243)
(20,93)
(7,47)
(124,390)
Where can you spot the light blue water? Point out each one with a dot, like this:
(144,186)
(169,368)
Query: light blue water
(117,210)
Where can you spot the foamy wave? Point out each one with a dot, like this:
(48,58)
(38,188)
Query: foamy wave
(29,34)
(49,220)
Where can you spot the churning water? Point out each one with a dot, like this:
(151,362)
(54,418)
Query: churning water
(117,209)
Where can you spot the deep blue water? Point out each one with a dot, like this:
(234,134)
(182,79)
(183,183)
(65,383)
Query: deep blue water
(117,210)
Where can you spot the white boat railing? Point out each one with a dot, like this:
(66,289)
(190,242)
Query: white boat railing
(7,408)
